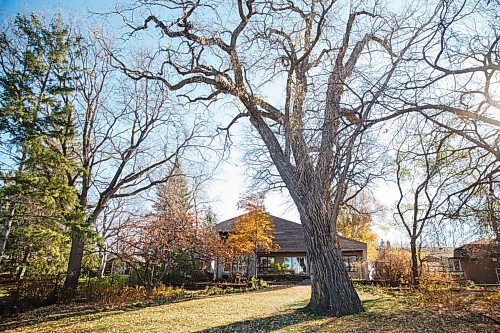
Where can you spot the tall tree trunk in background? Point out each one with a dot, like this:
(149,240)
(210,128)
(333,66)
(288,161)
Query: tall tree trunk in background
(149,277)
(414,261)
(78,242)
(103,259)
(7,226)
(255,263)
(21,269)
(492,209)
(75,260)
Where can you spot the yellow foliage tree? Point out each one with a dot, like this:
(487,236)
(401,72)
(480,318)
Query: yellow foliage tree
(253,232)
(356,224)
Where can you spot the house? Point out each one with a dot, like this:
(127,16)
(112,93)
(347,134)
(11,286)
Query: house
(292,253)
(442,261)
(480,261)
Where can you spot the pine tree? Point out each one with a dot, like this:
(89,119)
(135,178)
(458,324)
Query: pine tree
(36,85)
(174,194)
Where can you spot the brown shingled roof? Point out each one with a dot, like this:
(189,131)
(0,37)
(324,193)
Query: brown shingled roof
(290,236)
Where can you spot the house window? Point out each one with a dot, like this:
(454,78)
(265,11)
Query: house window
(350,263)
(296,264)
(237,266)
(454,265)
(266,264)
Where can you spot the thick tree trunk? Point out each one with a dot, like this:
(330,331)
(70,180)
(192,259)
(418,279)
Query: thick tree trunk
(332,290)
(75,260)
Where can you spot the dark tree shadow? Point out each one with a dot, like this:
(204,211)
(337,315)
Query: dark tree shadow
(268,324)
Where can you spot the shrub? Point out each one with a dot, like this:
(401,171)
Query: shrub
(217,290)
(174,277)
(112,290)
(109,290)
(280,269)
(165,294)
(29,293)
(258,283)
(393,265)
(213,290)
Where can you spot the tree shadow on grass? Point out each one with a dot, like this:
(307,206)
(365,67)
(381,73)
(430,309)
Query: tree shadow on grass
(55,313)
(298,314)
(268,324)
(373,319)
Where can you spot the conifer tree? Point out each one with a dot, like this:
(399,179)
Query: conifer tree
(174,194)
(36,115)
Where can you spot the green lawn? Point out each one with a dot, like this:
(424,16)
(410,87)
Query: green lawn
(271,310)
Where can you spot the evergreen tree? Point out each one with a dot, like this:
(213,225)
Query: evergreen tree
(36,118)
(174,194)
(211,218)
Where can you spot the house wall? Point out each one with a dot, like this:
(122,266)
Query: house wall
(481,270)
(443,266)
(360,273)
(361,266)
(280,257)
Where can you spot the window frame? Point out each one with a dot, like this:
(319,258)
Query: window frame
(452,264)
(350,263)
(296,260)
(270,260)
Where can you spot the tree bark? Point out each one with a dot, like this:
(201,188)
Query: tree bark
(414,262)
(21,269)
(75,260)
(7,226)
(255,263)
(103,259)
(332,290)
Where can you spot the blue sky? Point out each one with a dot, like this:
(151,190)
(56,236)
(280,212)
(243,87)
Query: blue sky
(231,180)
(14,6)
